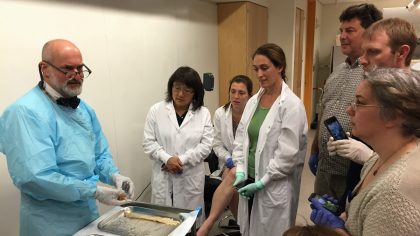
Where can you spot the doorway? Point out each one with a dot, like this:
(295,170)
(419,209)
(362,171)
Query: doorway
(297,64)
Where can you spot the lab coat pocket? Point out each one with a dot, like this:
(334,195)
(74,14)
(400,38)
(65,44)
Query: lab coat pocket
(159,186)
(275,194)
(193,181)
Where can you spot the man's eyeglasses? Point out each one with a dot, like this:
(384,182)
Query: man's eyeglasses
(356,104)
(83,71)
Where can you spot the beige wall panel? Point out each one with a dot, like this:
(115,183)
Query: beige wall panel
(257,25)
(242,28)
(232,41)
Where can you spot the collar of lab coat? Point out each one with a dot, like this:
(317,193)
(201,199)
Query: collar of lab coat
(228,118)
(172,114)
(271,116)
(280,99)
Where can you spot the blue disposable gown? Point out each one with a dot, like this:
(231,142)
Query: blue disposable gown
(55,156)
(1,139)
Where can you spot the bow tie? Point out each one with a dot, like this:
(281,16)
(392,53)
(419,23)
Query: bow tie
(72,102)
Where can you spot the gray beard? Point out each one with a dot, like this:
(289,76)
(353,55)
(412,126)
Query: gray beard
(72,92)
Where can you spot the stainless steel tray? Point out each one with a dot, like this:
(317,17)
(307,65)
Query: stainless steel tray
(121,225)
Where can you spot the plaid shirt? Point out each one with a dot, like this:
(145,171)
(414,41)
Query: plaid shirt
(339,92)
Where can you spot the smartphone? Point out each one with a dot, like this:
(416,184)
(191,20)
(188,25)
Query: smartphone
(126,187)
(241,184)
(327,204)
(335,128)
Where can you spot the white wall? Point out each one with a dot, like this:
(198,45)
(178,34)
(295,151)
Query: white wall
(317,41)
(281,31)
(132,46)
(281,18)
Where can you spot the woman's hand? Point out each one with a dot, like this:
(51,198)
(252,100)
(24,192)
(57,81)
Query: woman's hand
(173,165)
(322,216)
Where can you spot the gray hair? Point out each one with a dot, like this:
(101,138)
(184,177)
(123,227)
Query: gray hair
(398,92)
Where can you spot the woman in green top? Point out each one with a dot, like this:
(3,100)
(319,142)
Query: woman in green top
(269,149)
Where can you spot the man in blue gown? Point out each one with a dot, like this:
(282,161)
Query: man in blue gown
(56,151)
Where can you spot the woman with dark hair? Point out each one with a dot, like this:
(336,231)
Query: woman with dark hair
(226,120)
(227,117)
(269,149)
(178,136)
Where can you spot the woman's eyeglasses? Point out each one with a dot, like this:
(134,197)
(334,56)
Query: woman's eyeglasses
(356,104)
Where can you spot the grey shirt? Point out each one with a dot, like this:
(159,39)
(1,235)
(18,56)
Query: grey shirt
(339,92)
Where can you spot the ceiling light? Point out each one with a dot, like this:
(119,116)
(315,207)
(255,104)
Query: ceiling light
(413,5)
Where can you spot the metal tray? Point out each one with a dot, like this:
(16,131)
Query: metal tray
(121,225)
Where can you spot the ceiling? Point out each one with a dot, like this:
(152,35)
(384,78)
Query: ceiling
(338,1)
(265,2)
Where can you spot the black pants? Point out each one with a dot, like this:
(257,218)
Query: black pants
(210,186)
(250,180)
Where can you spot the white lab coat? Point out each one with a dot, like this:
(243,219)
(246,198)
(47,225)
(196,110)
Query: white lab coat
(191,142)
(223,134)
(279,161)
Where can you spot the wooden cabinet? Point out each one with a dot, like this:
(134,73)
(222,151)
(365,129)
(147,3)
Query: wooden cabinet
(242,28)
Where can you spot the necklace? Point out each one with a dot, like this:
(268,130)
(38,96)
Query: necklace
(390,156)
(380,165)
(376,171)
(236,117)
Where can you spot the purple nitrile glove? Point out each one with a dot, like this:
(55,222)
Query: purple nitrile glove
(313,163)
(322,216)
(229,163)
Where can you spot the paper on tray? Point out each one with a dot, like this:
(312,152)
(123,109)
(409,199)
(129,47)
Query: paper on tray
(187,223)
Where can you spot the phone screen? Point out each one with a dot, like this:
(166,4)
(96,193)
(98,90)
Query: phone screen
(335,129)
(327,204)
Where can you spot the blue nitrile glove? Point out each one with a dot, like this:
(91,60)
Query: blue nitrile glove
(240,177)
(200,210)
(229,163)
(313,163)
(250,189)
(321,216)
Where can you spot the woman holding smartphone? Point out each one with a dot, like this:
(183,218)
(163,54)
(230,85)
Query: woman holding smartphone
(386,115)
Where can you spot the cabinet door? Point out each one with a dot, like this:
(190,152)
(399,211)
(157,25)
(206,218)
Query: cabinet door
(257,28)
(242,27)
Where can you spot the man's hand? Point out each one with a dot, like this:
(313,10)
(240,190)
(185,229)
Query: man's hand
(110,196)
(124,183)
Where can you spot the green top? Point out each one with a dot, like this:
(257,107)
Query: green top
(253,132)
